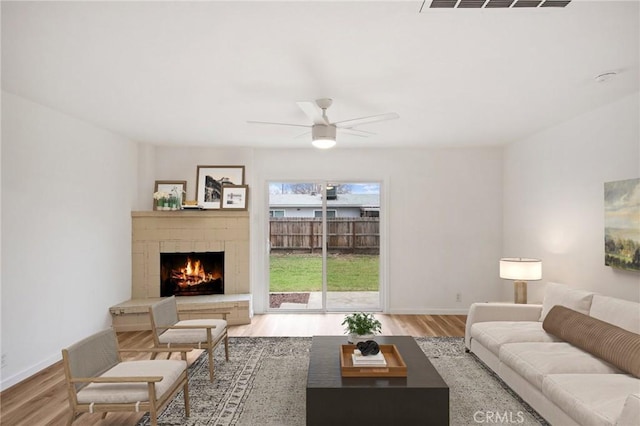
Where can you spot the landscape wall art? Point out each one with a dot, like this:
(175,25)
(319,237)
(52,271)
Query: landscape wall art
(622,224)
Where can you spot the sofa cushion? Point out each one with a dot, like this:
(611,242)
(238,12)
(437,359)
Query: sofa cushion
(623,313)
(631,411)
(493,334)
(607,341)
(590,399)
(533,361)
(560,294)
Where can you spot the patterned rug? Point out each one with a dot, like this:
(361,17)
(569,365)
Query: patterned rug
(264,383)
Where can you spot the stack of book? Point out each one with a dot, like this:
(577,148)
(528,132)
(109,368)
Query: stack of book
(360,360)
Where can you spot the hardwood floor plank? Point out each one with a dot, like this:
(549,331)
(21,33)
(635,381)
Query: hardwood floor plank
(42,398)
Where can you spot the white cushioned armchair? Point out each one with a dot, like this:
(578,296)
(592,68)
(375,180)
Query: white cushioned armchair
(168,331)
(99,381)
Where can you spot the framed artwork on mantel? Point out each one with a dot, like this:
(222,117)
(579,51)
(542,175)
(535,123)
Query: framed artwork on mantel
(172,188)
(622,224)
(211,179)
(235,197)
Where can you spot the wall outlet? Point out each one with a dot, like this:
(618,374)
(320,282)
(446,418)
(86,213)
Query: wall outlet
(3,361)
(458,297)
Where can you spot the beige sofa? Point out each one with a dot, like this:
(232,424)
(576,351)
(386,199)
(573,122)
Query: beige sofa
(567,385)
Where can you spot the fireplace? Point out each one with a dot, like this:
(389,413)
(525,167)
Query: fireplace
(191,274)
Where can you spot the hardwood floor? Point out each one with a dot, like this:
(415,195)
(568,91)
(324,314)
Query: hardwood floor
(42,398)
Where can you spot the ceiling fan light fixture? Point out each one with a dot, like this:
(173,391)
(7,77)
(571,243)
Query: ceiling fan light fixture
(323,131)
(323,136)
(323,143)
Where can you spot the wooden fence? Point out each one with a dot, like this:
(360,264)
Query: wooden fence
(345,235)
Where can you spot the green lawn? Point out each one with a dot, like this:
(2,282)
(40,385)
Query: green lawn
(303,272)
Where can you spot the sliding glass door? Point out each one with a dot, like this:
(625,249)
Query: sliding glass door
(324,246)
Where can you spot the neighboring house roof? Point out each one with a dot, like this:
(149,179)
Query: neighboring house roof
(308,200)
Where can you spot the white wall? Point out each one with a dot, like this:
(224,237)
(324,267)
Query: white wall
(553,197)
(67,193)
(443,213)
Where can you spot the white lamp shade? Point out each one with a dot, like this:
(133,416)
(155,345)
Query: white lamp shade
(520,268)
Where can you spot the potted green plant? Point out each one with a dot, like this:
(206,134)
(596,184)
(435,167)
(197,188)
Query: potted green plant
(361,326)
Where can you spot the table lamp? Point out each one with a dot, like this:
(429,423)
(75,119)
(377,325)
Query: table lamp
(520,269)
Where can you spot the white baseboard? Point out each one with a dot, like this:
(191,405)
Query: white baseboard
(6,383)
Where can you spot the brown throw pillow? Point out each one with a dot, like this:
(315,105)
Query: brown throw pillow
(613,344)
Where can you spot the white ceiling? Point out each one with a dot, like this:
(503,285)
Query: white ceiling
(192,73)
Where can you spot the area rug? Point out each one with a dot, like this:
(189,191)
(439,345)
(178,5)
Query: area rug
(264,383)
(277,299)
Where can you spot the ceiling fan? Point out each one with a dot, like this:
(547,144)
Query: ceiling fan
(323,131)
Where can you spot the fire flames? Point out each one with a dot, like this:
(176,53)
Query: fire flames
(193,273)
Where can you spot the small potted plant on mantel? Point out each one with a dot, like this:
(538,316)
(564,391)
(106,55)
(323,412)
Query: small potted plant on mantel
(361,327)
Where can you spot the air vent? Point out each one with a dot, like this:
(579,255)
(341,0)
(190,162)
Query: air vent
(555,3)
(470,4)
(527,3)
(496,4)
(444,3)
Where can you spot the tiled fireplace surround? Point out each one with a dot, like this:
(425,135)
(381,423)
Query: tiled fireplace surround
(155,232)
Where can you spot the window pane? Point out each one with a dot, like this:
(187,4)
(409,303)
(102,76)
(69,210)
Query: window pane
(330,213)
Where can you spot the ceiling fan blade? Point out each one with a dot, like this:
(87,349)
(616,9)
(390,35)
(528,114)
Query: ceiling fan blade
(302,134)
(347,124)
(356,132)
(277,124)
(313,112)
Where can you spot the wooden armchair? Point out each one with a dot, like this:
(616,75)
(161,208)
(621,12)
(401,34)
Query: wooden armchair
(168,331)
(99,381)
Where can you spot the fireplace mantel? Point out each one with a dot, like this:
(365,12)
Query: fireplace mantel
(191,213)
(185,231)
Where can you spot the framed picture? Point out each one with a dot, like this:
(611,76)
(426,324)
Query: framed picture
(211,179)
(235,197)
(622,224)
(172,188)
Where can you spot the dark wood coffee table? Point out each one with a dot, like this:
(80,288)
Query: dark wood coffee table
(421,398)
